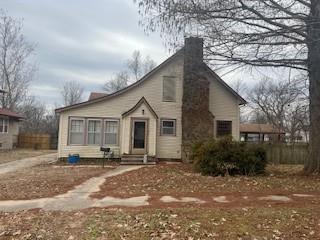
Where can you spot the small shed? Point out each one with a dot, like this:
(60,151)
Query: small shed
(255,132)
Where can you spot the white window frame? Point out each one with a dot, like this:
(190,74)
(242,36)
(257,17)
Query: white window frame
(69,129)
(87,131)
(5,123)
(174,127)
(175,89)
(105,128)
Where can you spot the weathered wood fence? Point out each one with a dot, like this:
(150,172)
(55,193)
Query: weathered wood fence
(35,141)
(287,154)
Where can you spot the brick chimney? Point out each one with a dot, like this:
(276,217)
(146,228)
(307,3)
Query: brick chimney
(197,121)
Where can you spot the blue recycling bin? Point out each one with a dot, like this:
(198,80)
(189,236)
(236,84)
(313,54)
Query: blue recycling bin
(73,159)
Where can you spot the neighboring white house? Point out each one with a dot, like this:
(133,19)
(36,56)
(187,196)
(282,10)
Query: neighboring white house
(9,128)
(157,115)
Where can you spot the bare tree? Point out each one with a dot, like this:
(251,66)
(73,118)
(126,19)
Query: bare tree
(71,93)
(15,71)
(137,66)
(261,33)
(117,83)
(282,103)
(134,64)
(34,112)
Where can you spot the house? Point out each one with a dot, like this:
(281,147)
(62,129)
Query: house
(176,104)
(255,132)
(9,128)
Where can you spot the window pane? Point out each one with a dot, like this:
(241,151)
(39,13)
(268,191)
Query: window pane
(77,131)
(224,128)
(94,131)
(77,125)
(93,138)
(111,138)
(168,127)
(169,131)
(94,126)
(168,124)
(111,132)
(76,138)
(169,89)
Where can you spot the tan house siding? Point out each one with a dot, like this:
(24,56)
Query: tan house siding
(224,106)
(151,89)
(8,140)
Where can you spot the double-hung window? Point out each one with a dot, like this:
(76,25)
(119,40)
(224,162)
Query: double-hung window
(168,127)
(76,135)
(94,132)
(224,128)
(111,132)
(4,125)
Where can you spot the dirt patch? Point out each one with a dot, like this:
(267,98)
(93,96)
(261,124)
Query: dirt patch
(44,181)
(17,154)
(180,179)
(183,223)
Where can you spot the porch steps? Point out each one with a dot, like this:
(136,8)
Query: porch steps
(136,160)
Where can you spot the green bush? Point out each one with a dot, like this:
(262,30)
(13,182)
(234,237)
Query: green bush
(227,157)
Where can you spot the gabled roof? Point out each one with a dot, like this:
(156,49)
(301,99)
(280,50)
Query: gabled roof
(95,95)
(103,97)
(139,103)
(137,83)
(9,113)
(216,76)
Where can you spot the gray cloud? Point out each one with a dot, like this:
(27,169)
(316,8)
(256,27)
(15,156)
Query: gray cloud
(86,41)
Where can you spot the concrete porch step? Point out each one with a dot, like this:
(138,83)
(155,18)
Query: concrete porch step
(136,160)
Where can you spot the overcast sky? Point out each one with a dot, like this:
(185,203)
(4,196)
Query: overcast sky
(85,41)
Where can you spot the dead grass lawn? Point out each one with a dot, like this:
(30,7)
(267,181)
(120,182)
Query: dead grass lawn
(44,181)
(20,153)
(180,179)
(183,223)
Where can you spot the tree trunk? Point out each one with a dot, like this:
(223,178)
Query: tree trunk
(312,164)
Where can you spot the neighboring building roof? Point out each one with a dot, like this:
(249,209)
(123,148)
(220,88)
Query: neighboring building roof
(258,128)
(95,95)
(139,103)
(144,78)
(7,112)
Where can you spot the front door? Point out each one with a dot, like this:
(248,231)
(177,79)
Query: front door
(139,137)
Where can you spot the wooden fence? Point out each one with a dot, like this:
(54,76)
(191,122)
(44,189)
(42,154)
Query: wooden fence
(287,154)
(35,141)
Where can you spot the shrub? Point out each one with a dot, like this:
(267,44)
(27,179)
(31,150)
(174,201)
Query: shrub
(228,157)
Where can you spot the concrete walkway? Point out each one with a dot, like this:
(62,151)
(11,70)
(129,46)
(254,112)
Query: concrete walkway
(27,162)
(78,198)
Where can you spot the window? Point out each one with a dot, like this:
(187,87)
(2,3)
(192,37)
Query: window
(76,136)
(169,89)
(4,125)
(94,132)
(168,127)
(111,132)
(224,128)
